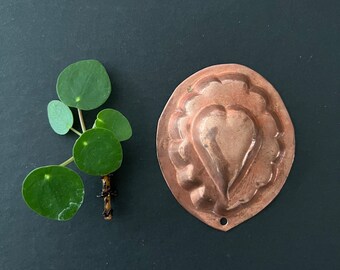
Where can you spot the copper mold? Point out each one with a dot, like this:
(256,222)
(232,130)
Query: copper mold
(225,144)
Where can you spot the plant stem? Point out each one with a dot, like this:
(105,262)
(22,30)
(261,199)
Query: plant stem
(75,131)
(81,119)
(106,194)
(66,162)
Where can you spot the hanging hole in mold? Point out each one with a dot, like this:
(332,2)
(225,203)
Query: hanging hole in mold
(223,221)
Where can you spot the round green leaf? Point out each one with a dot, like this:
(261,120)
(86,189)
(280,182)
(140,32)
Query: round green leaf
(114,121)
(54,192)
(97,152)
(59,116)
(84,85)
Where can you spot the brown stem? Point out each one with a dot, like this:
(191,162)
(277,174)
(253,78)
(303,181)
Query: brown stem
(106,194)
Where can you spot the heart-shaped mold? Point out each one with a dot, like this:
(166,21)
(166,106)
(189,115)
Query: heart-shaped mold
(225,144)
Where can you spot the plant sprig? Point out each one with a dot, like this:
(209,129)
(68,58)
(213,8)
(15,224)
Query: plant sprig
(55,191)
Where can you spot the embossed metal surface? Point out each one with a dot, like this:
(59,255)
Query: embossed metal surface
(225,144)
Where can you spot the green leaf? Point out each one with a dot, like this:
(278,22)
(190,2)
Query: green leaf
(54,192)
(97,152)
(84,85)
(114,121)
(59,116)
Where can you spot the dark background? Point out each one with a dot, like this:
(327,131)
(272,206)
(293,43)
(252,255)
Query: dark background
(148,48)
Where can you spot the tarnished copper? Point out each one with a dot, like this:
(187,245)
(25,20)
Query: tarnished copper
(225,144)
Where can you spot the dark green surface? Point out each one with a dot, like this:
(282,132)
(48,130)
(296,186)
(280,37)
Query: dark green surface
(114,121)
(148,47)
(98,152)
(84,85)
(54,192)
